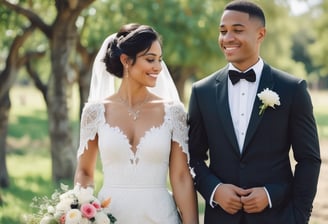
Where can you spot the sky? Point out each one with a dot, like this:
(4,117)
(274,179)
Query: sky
(299,7)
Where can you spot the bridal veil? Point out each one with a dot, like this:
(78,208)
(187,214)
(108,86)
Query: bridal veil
(103,83)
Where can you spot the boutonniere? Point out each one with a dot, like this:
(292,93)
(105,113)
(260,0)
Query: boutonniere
(268,98)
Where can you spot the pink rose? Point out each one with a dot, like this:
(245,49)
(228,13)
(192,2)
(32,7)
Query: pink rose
(96,205)
(62,219)
(88,210)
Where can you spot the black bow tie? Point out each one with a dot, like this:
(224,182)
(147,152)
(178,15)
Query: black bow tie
(235,76)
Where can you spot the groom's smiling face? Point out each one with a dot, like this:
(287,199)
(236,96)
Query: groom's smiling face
(240,38)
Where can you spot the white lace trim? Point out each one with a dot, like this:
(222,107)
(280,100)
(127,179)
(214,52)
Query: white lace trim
(176,117)
(93,116)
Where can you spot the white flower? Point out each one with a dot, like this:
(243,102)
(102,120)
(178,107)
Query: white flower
(102,218)
(51,209)
(69,194)
(64,205)
(64,187)
(84,195)
(73,216)
(85,221)
(269,98)
(46,219)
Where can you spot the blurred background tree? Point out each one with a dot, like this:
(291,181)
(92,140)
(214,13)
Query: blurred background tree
(68,33)
(317,46)
(61,36)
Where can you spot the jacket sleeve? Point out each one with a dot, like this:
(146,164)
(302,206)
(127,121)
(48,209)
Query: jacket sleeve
(205,181)
(305,145)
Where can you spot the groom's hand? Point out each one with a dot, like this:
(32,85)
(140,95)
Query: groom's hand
(255,201)
(228,196)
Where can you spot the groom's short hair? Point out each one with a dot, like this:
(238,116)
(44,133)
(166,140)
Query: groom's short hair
(248,7)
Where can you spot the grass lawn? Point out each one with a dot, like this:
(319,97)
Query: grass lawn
(28,156)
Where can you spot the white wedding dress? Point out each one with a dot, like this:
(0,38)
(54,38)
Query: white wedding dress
(136,182)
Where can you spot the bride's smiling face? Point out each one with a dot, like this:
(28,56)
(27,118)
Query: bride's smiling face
(147,66)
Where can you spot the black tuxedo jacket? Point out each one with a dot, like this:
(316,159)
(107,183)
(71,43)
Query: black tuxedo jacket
(215,156)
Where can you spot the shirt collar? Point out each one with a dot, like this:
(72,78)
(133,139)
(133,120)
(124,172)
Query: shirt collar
(258,67)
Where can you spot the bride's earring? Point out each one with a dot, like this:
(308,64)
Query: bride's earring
(126,71)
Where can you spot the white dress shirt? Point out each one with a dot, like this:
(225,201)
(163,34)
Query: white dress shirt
(241,101)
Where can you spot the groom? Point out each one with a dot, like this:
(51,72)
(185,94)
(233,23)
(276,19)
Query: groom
(239,154)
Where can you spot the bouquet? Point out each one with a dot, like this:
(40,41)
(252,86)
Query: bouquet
(75,206)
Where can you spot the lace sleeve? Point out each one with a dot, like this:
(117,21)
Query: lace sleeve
(179,126)
(92,116)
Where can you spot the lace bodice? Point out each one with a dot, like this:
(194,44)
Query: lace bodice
(152,152)
(136,180)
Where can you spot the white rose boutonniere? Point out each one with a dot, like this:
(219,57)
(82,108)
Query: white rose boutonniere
(269,98)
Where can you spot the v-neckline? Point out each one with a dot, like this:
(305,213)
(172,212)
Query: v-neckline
(134,149)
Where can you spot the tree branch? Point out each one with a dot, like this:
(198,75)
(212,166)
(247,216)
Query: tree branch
(13,62)
(31,16)
(33,73)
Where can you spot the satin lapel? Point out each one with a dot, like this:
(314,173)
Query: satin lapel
(255,119)
(224,109)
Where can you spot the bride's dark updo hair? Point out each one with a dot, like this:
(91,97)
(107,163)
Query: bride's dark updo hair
(131,39)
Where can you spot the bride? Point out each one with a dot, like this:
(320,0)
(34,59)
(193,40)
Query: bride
(140,132)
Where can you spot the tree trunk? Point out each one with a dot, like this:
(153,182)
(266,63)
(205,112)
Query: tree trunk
(84,69)
(84,86)
(7,80)
(62,35)
(4,114)
(61,144)
(62,43)
(62,153)
(180,75)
